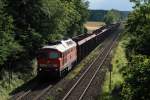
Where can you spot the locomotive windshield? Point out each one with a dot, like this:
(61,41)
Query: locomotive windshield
(54,55)
(49,54)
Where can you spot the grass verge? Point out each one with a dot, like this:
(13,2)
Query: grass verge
(118,62)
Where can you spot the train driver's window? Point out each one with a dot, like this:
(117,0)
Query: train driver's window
(54,55)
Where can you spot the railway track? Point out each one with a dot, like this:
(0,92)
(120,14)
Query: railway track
(34,92)
(79,89)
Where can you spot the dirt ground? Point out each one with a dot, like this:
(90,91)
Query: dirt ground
(91,26)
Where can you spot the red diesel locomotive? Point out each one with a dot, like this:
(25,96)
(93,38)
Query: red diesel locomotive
(56,59)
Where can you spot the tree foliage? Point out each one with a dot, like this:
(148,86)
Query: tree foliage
(112,16)
(98,15)
(138,25)
(137,79)
(136,75)
(8,45)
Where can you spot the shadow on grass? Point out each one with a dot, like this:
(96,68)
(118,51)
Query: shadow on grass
(115,94)
(38,83)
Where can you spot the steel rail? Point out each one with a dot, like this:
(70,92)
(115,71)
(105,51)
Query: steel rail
(23,95)
(42,93)
(74,86)
(82,95)
(30,92)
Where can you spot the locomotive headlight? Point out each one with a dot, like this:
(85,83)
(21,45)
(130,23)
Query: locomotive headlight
(39,69)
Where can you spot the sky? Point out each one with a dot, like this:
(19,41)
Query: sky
(123,5)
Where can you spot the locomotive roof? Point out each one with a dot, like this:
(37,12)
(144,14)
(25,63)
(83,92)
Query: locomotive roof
(63,46)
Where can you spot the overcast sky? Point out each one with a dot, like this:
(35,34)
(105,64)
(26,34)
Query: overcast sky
(123,5)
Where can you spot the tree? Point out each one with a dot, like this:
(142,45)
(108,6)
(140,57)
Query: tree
(138,26)
(112,16)
(8,46)
(137,79)
(33,21)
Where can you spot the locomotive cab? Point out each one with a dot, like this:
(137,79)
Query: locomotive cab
(55,59)
(49,60)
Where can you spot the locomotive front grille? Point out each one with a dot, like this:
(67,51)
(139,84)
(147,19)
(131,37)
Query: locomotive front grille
(43,65)
(47,65)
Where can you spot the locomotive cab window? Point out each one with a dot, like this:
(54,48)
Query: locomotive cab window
(54,55)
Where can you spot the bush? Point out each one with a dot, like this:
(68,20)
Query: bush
(137,79)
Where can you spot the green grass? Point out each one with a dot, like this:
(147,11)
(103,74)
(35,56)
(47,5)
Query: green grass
(83,63)
(50,98)
(59,89)
(8,85)
(118,62)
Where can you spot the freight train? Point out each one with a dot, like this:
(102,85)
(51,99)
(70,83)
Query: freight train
(57,58)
